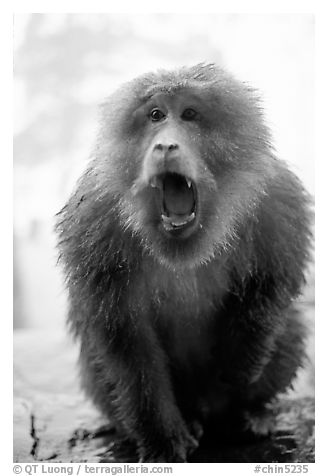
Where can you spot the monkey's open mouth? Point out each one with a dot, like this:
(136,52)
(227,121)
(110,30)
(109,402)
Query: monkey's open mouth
(178,200)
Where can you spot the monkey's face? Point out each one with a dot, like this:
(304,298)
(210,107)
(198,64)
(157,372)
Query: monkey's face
(189,171)
(172,169)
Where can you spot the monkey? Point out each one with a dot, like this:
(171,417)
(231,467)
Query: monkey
(184,246)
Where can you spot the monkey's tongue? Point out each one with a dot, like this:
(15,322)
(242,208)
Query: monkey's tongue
(178,196)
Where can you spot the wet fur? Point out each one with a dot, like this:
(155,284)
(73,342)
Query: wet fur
(174,332)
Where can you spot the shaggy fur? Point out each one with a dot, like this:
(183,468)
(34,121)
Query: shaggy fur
(177,328)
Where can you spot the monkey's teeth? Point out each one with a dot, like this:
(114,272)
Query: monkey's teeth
(154,182)
(180,223)
(188,183)
(168,220)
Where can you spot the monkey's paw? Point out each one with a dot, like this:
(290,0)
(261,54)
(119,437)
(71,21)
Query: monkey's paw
(174,449)
(260,423)
(196,430)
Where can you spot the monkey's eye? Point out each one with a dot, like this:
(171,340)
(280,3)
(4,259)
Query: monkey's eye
(156,115)
(189,114)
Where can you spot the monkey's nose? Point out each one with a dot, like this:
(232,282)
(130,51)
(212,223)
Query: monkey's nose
(166,147)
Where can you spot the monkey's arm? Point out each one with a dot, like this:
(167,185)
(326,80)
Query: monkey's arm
(261,322)
(123,365)
(124,371)
(250,325)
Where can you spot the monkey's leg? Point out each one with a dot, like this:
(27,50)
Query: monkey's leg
(287,357)
(128,380)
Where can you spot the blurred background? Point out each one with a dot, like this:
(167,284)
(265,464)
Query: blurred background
(64,66)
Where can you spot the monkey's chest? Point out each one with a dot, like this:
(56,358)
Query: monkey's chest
(184,310)
(187,334)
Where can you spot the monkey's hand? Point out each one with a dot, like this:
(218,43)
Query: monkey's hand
(261,423)
(174,447)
